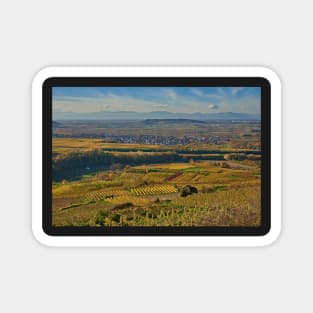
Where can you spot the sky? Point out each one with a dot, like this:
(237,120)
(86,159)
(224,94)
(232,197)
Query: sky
(149,99)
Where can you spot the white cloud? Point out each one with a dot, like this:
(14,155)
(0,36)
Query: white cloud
(168,100)
(109,102)
(197,92)
(212,106)
(170,94)
(235,90)
(160,105)
(200,93)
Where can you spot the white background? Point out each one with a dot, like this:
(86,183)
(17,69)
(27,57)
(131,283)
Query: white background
(36,34)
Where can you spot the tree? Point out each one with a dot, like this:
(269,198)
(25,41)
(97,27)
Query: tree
(188,190)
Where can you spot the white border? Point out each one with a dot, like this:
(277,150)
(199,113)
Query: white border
(158,241)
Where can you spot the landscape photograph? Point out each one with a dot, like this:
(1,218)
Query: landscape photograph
(156,156)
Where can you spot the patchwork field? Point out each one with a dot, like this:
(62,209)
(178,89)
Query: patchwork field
(101,183)
(229,196)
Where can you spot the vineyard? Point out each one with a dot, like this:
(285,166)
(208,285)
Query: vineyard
(156,172)
(151,194)
(223,208)
(153,190)
(106,193)
(134,200)
(243,198)
(119,193)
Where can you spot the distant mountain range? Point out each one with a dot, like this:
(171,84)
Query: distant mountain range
(171,121)
(56,124)
(130,115)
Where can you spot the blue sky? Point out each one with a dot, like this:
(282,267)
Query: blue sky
(149,99)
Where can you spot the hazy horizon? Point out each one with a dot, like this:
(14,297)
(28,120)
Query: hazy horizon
(174,100)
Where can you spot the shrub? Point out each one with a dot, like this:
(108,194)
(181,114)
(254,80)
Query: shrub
(188,190)
(100,218)
(116,217)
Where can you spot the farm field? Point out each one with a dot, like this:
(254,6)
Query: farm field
(156,156)
(156,179)
(228,194)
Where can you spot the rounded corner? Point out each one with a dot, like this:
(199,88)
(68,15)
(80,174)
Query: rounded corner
(271,236)
(41,236)
(269,75)
(42,76)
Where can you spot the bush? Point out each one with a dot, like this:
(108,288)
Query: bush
(116,217)
(188,190)
(100,218)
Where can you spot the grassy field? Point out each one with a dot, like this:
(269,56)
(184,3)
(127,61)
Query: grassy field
(102,183)
(143,195)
